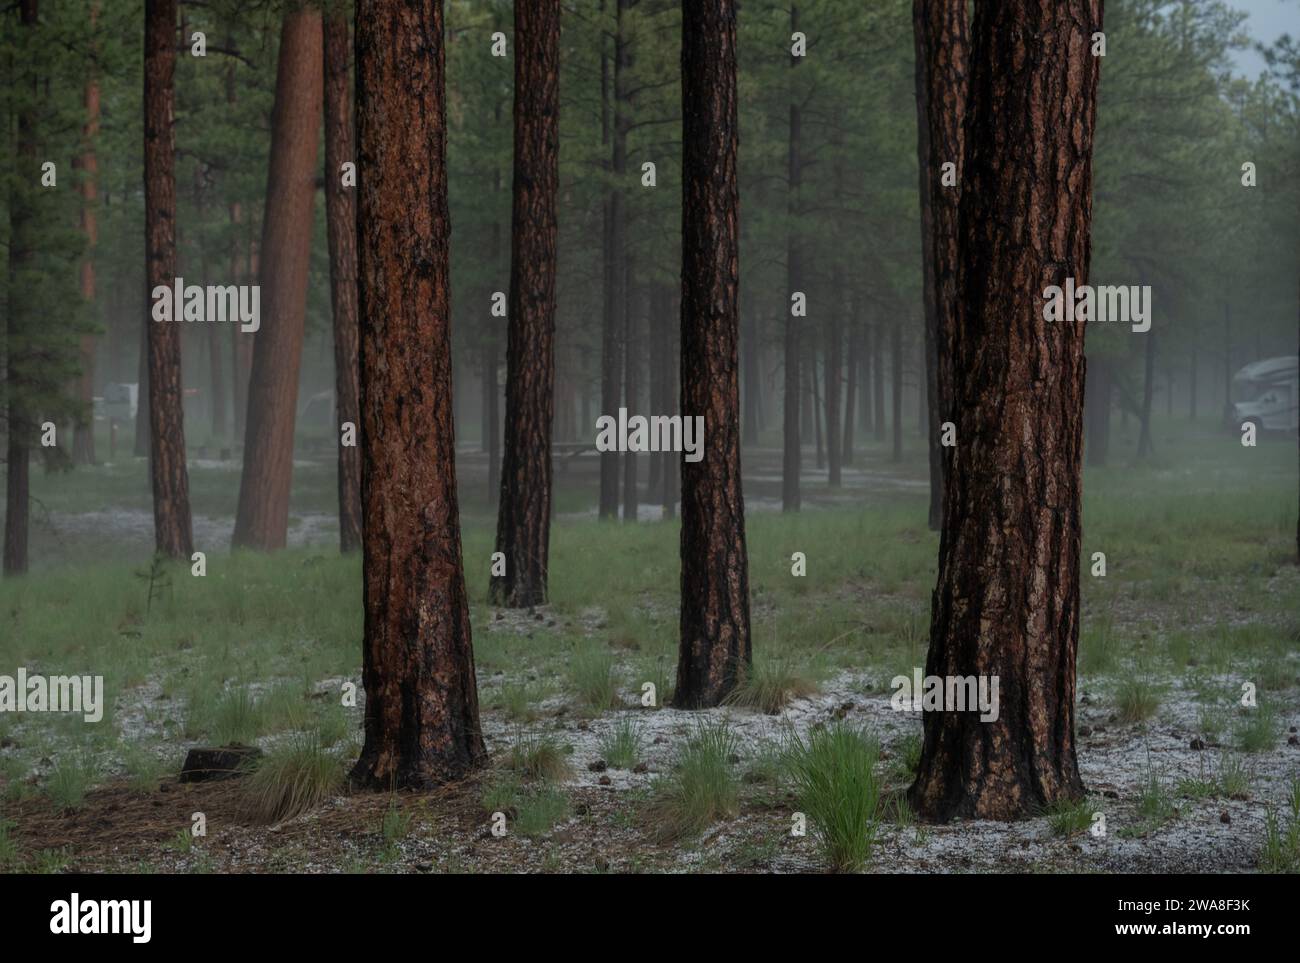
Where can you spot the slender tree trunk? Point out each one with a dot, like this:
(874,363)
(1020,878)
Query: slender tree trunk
(171,487)
(656,322)
(815,405)
(1192,372)
(792,454)
(1096,410)
(262,521)
(715,639)
(1227,364)
(241,360)
(896,386)
(83,437)
(750,384)
(524,517)
(421,722)
(851,385)
(140,448)
(832,362)
(672,464)
(1006,604)
(20,422)
(1145,445)
(615,136)
(632,386)
(341,227)
(878,379)
(941,34)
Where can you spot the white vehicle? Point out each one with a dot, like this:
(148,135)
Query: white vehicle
(1268,394)
(120,400)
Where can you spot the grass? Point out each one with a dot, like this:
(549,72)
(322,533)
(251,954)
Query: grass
(1256,729)
(538,811)
(702,787)
(537,755)
(1281,850)
(1070,817)
(592,676)
(8,849)
(621,746)
(1136,699)
(291,780)
(501,794)
(1155,807)
(70,780)
(833,772)
(769,685)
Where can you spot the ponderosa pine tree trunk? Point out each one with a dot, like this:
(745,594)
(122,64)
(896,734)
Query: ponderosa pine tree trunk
(851,386)
(940,30)
(832,361)
(614,136)
(1006,604)
(792,453)
(20,423)
(524,514)
(896,386)
(171,487)
(83,436)
(262,521)
(715,636)
(878,379)
(421,722)
(341,225)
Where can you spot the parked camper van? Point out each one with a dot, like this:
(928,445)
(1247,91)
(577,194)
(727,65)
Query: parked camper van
(1268,393)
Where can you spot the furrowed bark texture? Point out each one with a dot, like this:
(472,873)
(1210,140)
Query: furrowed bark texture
(262,521)
(168,473)
(1006,603)
(422,725)
(942,85)
(341,224)
(524,514)
(715,636)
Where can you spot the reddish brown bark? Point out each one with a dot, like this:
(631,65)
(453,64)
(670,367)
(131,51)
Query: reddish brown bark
(341,225)
(171,486)
(1006,604)
(524,514)
(422,725)
(715,632)
(940,32)
(262,520)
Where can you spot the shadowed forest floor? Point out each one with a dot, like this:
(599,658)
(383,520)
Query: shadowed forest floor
(1200,596)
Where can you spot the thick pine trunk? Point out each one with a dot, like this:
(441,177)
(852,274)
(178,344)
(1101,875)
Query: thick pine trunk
(421,721)
(524,515)
(940,32)
(262,521)
(715,637)
(1006,603)
(171,488)
(341,225)
(792,455)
